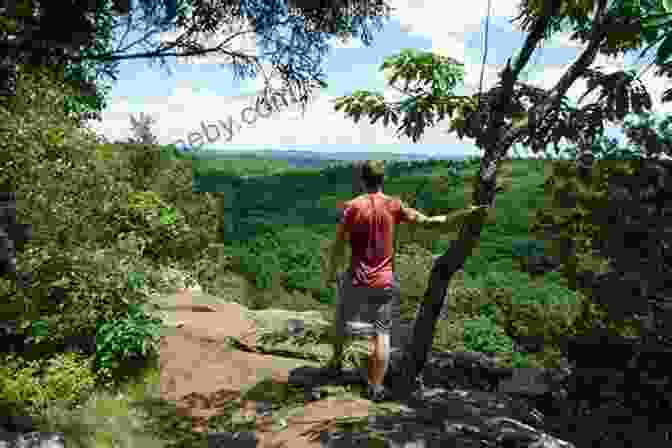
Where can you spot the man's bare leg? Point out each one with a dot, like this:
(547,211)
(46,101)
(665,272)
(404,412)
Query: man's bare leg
(379,356)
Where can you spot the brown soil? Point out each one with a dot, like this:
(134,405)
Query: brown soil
(200,376)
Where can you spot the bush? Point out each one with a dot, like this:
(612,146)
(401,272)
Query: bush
(482,335)
(551,311)
(95,284)
(32,387)
(291,252)
(527,248)
(161,230)
(120,341)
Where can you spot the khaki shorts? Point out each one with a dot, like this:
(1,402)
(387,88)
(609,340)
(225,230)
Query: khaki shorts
(364,311)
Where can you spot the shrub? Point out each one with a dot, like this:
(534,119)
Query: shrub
(95,284)
(161,230)
(123,340)
(550,311)
(527,248)
(31,387)
(291,252)
(482,335)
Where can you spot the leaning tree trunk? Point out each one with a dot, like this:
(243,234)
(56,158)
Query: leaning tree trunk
(495,138)
(408,365)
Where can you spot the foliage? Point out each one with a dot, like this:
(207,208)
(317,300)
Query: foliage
(141,128)
(43,149)
(527,248)
(95,284)
(442,73)
(292,252)
(616,202)
(143,163)
(482,335)
(119,341)
(74,34)
(161,230)
(549,311)
(34,386)
(512,112)
(655,31)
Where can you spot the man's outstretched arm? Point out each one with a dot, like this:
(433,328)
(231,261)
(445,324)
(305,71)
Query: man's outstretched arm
(443,223)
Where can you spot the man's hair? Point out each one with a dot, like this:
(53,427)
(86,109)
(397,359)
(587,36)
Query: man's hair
(373,173)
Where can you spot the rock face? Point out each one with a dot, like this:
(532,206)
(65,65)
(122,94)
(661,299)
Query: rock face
(539,265)
(32,440)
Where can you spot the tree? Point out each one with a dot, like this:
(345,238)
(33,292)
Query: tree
(40,35)
(141,128)
(500,117)
(82,41)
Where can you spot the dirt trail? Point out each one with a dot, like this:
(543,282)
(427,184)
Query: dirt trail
(201,377)
(205,377)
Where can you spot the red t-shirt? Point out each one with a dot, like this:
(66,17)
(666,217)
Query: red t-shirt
(371,220)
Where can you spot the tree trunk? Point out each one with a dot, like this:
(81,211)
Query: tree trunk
(414,356)
(495,139)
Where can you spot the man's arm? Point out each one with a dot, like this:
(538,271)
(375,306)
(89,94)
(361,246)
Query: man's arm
(443,223)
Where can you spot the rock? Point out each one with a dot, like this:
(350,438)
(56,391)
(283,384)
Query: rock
(81,344)
(526,381)
(528,344)
(10,339)
(312,394)
(539,265)
(295,327)
(32,440)
(232,440)
(19,423)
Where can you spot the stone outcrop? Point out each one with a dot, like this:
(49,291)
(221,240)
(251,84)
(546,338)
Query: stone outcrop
(31,440)
(464,400)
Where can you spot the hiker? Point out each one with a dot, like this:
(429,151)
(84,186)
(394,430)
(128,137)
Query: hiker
(368,291)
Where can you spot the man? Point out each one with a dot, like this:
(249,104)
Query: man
(369,291)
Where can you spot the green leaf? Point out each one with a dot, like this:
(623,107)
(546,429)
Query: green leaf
(667,4)
(168,216)
(656,21)
(664,51)
(408,104)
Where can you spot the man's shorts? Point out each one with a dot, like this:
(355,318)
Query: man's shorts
(363,311)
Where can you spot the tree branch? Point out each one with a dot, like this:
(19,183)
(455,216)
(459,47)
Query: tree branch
(539,111)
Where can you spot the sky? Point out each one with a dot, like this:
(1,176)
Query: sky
(204,92)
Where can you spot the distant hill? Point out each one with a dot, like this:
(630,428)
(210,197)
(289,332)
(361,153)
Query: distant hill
(313,159)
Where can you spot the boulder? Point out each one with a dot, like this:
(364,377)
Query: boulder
(32,440)
(540,265)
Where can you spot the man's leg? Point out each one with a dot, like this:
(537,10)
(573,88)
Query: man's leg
(379,357)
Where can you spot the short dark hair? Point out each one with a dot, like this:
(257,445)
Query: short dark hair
(373,173)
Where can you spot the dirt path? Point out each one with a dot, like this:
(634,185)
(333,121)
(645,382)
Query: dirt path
(213,383)
(201,377)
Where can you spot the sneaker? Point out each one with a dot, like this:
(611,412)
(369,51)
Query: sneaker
(378,393)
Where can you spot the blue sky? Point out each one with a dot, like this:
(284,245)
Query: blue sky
(201,92)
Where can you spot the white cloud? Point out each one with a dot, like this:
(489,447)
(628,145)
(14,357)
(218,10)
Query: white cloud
(436,17)
(187,108)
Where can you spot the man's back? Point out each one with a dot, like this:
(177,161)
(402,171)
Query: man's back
(372,219)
